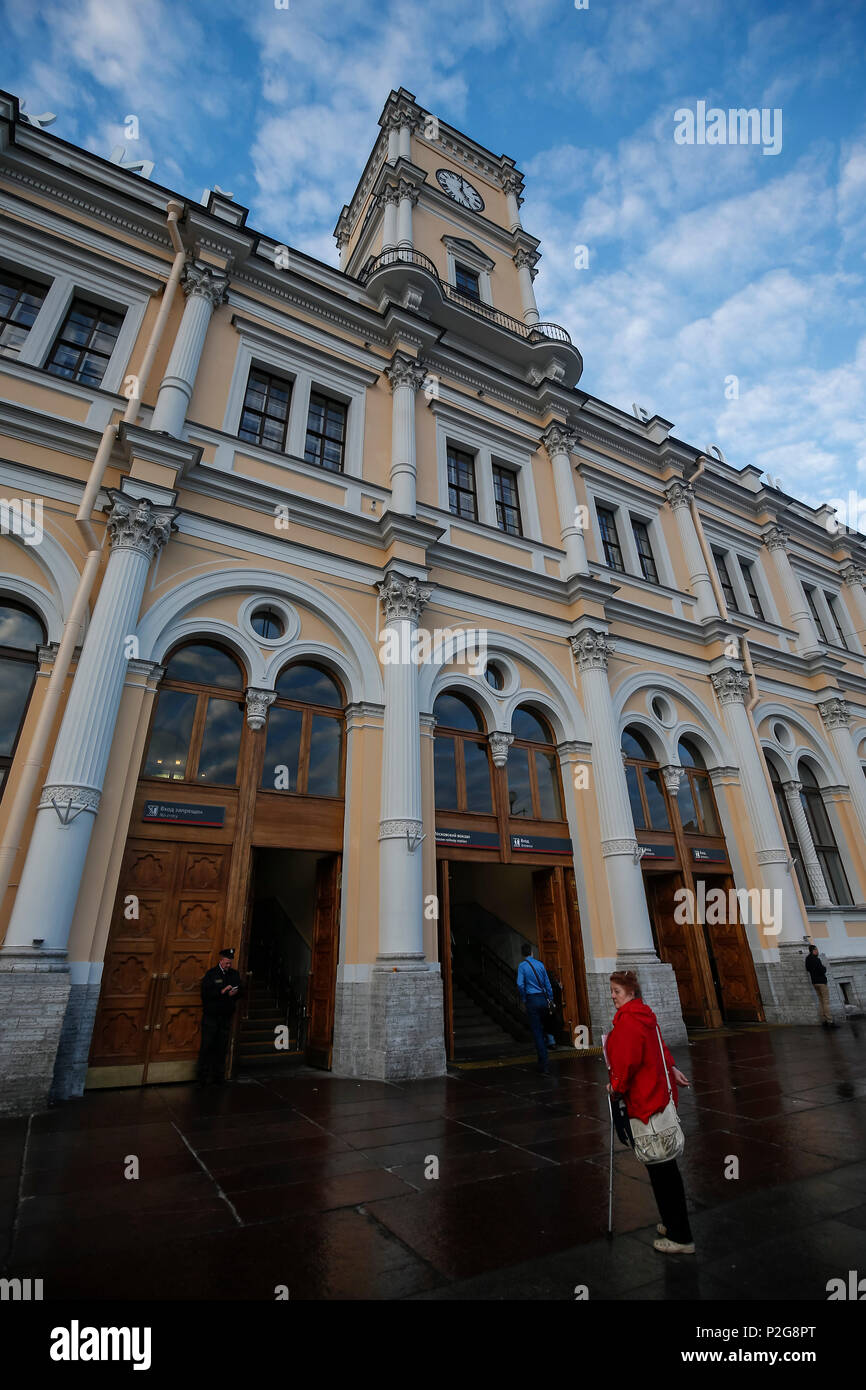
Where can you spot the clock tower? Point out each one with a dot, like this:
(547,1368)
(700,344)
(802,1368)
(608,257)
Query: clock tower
(434,225)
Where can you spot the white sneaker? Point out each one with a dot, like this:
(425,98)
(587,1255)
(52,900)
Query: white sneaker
(670,1247)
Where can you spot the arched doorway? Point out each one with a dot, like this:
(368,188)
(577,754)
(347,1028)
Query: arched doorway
(505,877)
(694,910)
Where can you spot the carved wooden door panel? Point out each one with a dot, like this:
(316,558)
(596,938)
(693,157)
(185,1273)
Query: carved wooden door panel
(675,944)
(738,983)
(554,947)
(323,965)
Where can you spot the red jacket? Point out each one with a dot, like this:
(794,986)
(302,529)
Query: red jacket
(635,1060)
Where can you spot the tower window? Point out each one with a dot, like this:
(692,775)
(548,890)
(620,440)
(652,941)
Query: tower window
(467,281)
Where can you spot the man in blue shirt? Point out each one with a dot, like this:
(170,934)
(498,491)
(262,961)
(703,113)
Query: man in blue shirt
(536,993)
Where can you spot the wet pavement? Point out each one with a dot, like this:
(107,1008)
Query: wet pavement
(325,1185)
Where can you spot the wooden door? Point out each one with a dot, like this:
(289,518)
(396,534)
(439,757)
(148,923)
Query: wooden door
(675,944)
(577,957)
(735,968)
(323,966)
(444,872)
(554,945)
(164,935)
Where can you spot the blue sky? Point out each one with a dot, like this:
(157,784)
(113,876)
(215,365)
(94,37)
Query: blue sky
(706,262)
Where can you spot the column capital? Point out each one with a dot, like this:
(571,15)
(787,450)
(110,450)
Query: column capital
(500,743)
(559,439)
(258,704)
(404,370)
(405,189)
(731,686)
(511,182)
(526,260)
(136,524)
(388,193)
(402,597)
(679,494)
(776,538)
(592,649)
(835,713)
(612,848)
(854,574)
(673,775)
(205,280)
(792,787)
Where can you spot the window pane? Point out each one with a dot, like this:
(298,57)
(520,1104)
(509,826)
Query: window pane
(445,773)
(519,789)
(20,629)
(834,876)
(478,794)
(704,794)
(634,798)
(282,750)
(169,740)
(685,802)
(218,760)
(634,745)
(201,664)
(658,811)
(16,679)
(310,686)
(454,713)
(549,805)
(326,744)
(819,822)
(527,725)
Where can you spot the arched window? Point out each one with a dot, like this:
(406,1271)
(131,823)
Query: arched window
(533,768)
(199,718)
(695,799)
(461,758)
(21,634)
(794,849)
(646,789)
(304,747)
(822,834)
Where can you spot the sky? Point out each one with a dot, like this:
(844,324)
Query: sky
(721,286)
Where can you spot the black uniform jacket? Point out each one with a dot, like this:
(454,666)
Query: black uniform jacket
(214,1002)
(817,972)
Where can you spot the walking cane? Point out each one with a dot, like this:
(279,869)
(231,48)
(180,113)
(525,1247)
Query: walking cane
(610,1178)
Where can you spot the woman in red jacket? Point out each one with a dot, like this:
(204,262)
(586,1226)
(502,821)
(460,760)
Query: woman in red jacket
(637,1072)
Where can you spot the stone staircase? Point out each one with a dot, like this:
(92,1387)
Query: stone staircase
(256,1033)
(477,1036)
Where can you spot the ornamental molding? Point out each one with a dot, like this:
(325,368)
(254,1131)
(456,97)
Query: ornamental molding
(854,574)
(402,597)
(730,685)
(205,280)
(559,439)
(718,774)
(404,370)
(389,193)
(623,847)
(776,539)
(61,797)
(511,182)
(835,713)
(679,495)
(103,212)
(592,649)
(136,524)
(258,704)
(673,775)
(499,745)
(400,829)
(792,788)
(773,856)
(526,260)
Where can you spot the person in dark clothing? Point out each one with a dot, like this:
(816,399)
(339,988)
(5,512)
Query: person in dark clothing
(637,1072)
(220,987)
(536,996)
(818,975)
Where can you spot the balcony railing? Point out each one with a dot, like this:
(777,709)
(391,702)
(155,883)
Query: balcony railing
(405,255)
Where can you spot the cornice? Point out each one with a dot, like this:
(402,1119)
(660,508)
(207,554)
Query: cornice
(48,431)
(364,320)
(275,335)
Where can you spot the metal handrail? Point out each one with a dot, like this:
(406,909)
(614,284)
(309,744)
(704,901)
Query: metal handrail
(405,255)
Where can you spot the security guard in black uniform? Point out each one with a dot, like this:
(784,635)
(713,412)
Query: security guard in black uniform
(219,992)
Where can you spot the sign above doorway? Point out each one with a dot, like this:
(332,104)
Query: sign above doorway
(179,813)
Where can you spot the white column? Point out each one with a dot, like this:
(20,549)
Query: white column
(341,237)
(389,198)
(526,262)
(837,720)
(512,186)
(732,687)
(405,141)
(393,143)
(560,445)
(401,888)
(619,847)
(405,375)
(679,498)
(811,862)
(776,541)
(408,199)
(855,581)
(205,289)
(45,902)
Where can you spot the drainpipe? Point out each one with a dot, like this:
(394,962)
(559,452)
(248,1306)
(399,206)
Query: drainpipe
(32,763)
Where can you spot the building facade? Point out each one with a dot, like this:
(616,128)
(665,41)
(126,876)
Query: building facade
(339,624)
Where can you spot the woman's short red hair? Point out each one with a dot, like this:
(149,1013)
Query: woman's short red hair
(629,980)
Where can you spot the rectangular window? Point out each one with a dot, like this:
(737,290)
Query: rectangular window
(20,302)
(461,485)
(265,415)
(507,500)
(84,345)
(725,580)
(640,531)
(326,433)
(466,281)
(610,539)
(813,608)
(749,581)
(833,605)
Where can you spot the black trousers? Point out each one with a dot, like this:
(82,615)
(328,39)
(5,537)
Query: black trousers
(215,1030)
(670,1198)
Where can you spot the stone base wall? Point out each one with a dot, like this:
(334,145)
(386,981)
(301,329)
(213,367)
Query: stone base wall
(70,1068)
(390,1027)
(33,999)
(658,988)
(850,971)
(786,990)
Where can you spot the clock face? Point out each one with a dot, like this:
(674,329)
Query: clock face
(459,189)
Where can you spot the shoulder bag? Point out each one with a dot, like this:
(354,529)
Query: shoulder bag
(661,1138)
(551,1006)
